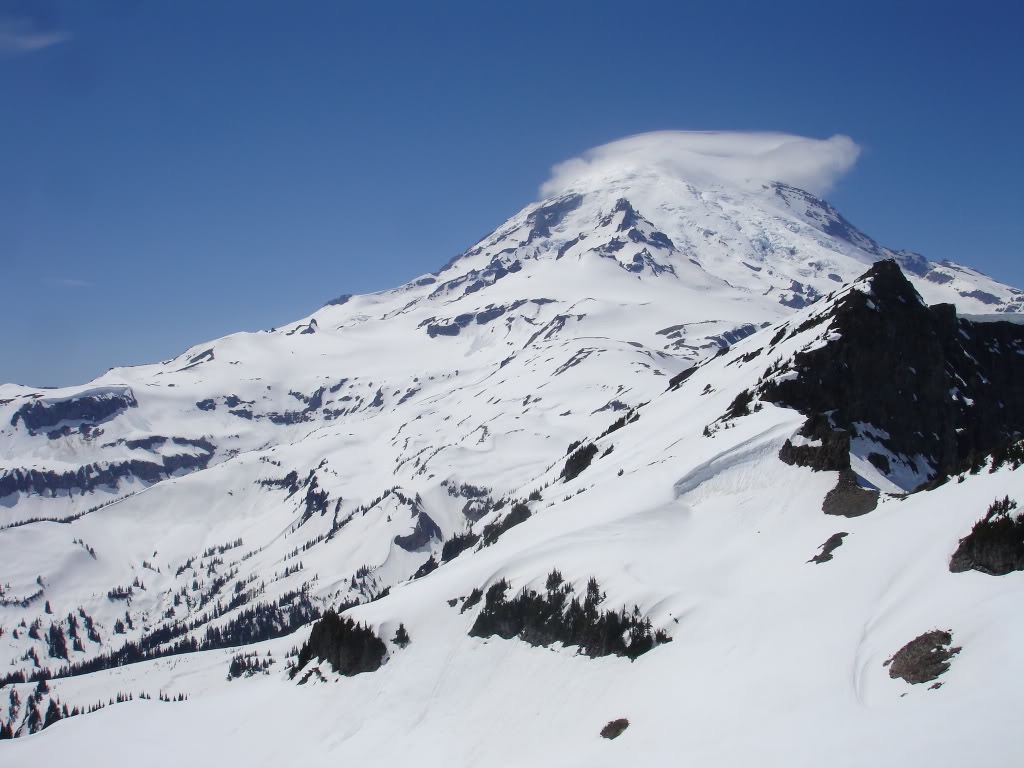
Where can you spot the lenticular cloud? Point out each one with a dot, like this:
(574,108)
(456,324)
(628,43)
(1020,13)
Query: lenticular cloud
(712,156)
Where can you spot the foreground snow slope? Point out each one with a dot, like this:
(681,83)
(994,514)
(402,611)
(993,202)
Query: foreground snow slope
(329,461)
(773,661)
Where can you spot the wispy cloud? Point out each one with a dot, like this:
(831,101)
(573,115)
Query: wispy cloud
(75,283)
(24,34)
(701,156)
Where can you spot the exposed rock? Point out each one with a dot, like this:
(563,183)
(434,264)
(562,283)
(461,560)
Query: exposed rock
(89,477)
(424,531)
(924,658)
(995,545)
(848,499)
(107,474)
(832,543)
(90,407)
(615,728)
(945,388)
(202,357)
(832,454)
(547,216)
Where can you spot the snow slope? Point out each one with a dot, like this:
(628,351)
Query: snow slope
(408,415)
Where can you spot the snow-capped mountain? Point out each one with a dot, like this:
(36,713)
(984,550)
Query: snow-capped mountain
(672,387)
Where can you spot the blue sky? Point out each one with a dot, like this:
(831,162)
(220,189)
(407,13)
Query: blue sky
(172,172)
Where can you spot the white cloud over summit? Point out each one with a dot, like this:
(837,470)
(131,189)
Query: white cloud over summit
(731,157)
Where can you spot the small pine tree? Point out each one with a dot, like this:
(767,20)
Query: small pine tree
(401,638)
(58,645)
(34,720)
(52,714)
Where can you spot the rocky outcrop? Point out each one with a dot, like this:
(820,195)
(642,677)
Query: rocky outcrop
(942,387)
(88,478)
(84,409)
(995,544)
(832,543)
(848,499)
(422,534)
(924,658)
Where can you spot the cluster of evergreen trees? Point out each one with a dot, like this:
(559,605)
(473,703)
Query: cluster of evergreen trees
(248,664)
(349,648)
(120,593)
(630,416)
(551,616)
(252,625)
(458,544)
(519,513)
(1009,452)
(579,459)
(995,544)
(36,720)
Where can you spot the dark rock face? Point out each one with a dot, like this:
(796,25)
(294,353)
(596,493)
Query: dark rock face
(799,295)
(995,545)
(88,408)
(313,403)
(677,334)
(452,326)
(829,220)
(832,543)
(478,279)
(108,474)
(848,499)
(630,218)
(982,296)
(949,389)
(550,215)
(203,357)
(924,658)
(833,453)
(425,531)
(615,728)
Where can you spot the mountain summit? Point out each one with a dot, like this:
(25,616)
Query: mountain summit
(681,453)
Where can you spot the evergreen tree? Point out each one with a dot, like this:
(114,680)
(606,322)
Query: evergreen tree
(34,720)
(401,638)
(57,643)
(350,648)
(52,714)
